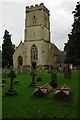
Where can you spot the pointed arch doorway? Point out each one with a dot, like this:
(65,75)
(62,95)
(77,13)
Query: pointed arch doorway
(20,61)
(33,65)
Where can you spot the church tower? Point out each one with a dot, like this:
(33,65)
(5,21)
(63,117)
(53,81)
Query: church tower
(37,51)
(37,35)
(37,26)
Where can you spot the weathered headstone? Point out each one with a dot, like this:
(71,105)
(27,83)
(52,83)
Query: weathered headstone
(42,91)
(19,69)
(67,72)
(63,93)
(33,78)
(53,82)
(24,69)
(11,91)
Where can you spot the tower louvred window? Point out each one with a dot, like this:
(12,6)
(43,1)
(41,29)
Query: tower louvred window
(34,19)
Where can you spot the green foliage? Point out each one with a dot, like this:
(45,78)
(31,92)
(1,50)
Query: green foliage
(7,50)
(25,106)
(72,47)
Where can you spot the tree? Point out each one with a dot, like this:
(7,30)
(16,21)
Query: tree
(72,47)
(7,50)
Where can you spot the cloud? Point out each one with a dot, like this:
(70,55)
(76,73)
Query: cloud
(61,22)
(13,20)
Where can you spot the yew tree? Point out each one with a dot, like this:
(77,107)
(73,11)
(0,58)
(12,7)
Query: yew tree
(72,47)
(7,50)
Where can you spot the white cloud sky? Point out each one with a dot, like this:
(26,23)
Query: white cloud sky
(13,19)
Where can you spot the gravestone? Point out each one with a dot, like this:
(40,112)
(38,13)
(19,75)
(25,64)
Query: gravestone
(67,72)
(42,91)
(53,82)
(63,93)
(33,78)
(19,69)
(24,69)
(11,91)
(61,68)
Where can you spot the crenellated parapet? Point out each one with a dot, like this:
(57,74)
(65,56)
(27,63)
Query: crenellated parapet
(37,7)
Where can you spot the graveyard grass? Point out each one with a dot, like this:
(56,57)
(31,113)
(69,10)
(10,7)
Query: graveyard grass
(23,105)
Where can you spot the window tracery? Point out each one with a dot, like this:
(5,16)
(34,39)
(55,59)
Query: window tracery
(34,53)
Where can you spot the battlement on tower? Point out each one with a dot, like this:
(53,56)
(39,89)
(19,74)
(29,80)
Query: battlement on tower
(37,7)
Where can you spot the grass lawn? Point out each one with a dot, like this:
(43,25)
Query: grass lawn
(25,106)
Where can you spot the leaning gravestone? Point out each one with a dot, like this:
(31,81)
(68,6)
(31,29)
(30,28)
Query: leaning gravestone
(67,72)
(11,91)
(53,82)
(19,69)
(24,69)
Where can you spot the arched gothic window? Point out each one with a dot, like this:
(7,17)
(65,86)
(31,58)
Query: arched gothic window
(20,61)
(34,53)
(34,19)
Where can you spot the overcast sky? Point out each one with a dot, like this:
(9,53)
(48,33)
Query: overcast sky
(12,18)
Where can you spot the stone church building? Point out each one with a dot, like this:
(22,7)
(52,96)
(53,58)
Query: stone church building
(37,51)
